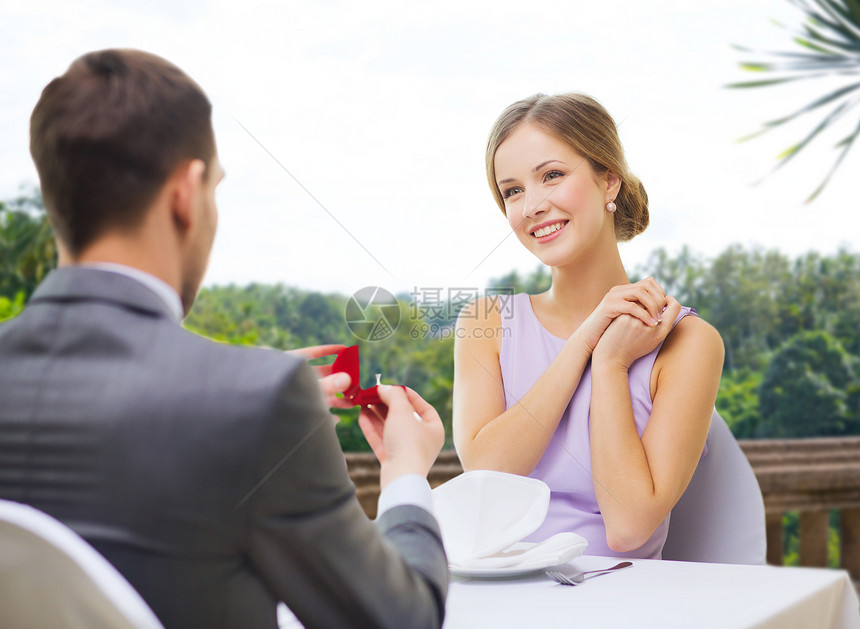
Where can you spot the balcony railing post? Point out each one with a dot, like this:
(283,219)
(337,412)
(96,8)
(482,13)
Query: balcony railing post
(773,524)
(813,538)
(850,539)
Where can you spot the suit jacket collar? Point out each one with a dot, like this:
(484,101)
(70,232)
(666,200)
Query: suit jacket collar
(79,284)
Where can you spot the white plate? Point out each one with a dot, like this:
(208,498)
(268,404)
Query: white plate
(527,564)
(499,573)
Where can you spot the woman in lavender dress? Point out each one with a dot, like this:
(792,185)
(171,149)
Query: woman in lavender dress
(600,387)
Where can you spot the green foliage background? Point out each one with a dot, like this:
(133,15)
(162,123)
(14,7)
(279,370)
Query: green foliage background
(27,250)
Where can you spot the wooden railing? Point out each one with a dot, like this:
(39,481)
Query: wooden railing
(811,476)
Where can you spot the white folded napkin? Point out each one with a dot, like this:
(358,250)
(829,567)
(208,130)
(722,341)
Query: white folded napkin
(483,515)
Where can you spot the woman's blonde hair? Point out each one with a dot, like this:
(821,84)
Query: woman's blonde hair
(582,123)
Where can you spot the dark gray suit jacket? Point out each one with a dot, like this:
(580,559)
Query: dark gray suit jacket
(210,475)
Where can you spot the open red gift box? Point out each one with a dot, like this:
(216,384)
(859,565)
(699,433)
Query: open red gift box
(347,361)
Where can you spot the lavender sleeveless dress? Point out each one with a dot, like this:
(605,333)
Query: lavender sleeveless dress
(527,350)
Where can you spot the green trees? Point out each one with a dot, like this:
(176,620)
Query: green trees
(792,334)
(27,250)
(738,403)
(810,389)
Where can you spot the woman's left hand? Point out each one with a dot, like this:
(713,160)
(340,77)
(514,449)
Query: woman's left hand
(627,338)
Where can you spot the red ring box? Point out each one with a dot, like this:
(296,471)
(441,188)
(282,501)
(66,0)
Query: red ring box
(347,361)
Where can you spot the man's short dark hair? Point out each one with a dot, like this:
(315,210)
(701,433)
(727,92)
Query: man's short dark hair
(106,135)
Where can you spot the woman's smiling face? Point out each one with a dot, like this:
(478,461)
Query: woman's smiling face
(554,200)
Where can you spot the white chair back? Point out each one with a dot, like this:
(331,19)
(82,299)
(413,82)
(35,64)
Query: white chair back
(50,577)
(720,518)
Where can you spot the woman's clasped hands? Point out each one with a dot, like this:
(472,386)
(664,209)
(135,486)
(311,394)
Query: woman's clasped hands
(630,321)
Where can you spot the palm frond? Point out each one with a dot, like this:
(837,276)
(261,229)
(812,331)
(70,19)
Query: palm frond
(786,155)
(824,100)
(846,143)
(830,41)
(766,82)
(845,15)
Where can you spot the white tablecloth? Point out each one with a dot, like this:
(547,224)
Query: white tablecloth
(660,594)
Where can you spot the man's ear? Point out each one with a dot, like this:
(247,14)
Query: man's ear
(186,186)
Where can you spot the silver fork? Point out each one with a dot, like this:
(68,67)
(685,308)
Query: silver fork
(576,579)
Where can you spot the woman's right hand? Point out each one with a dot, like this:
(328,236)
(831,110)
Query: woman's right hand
(644,300)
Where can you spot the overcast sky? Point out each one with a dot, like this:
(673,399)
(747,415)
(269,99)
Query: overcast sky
(379,111)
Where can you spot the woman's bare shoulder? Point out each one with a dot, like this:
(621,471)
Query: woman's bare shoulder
(692,340)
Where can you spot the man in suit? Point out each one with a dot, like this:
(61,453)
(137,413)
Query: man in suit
(209,475)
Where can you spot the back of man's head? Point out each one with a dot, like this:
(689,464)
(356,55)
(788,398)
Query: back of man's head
(106,135)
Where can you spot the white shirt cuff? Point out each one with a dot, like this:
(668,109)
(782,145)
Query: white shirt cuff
(410,489)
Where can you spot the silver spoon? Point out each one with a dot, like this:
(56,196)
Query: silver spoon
(576,579)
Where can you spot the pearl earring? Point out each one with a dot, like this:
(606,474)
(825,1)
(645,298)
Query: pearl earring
(611,207)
